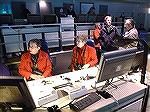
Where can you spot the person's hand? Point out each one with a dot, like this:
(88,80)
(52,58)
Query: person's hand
(40,77)
(86,66)
(34,76)
(121,48)
(73,70)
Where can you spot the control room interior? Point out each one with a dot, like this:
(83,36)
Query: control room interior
(112,88)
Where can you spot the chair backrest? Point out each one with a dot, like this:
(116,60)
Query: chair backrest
(90,42)
(44,46)
(4,71)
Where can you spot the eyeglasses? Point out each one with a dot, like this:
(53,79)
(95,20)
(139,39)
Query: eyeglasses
(78,41)
(32,47)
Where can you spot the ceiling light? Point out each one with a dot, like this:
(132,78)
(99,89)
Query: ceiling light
(42,3)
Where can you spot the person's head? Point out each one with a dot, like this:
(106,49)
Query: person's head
(98,25)
(91,10)
(108,20)
(129,24)
(81,40)
(34,46)
(71,7)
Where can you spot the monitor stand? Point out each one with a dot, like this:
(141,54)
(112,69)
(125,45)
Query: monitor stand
(103,91)
(109,83)
(104,94)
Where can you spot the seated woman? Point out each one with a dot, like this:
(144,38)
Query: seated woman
(35,63)
(83,56)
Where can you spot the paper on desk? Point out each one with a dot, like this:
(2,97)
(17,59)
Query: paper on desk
(40,91)
(70,89)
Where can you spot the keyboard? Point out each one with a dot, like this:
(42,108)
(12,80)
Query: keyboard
(85,101)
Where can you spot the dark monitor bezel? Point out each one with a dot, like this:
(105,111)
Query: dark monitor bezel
(49,19)
(6,19)
(110,58)
(34,19)
(17,81)
(138,60)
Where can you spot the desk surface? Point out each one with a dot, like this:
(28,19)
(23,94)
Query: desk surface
(62,78)
(123,94)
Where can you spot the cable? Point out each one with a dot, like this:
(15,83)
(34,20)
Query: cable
(6,107)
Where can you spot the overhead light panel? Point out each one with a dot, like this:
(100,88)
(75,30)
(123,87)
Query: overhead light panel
(148,10)
(42,3)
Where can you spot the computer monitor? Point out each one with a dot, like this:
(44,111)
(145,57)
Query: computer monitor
(6,19)
(50,19)
(15,93)
(115,63)
(138,61)
(34,19)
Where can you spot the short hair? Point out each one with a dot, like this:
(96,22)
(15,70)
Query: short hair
(132,22)
(82,38)
(36,41)
(106,17)
(97,24)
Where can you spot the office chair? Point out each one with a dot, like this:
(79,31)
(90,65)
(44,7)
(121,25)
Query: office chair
(44,46)
(90,42)
(4,71)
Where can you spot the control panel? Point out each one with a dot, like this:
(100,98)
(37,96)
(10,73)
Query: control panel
(43,93)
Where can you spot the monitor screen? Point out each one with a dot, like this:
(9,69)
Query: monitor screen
(115,63)
(15,93)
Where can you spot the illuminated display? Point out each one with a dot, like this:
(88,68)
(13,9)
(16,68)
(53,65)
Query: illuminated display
(5,9)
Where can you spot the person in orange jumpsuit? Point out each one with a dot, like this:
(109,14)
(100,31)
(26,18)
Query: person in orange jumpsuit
(35,63)
(96,38)
(83,56)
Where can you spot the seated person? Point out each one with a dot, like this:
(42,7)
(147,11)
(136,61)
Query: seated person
(83,56)
(35,63)
(91,11)
(70,11)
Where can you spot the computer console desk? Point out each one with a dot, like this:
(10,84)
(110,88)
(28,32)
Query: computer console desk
(129,96)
